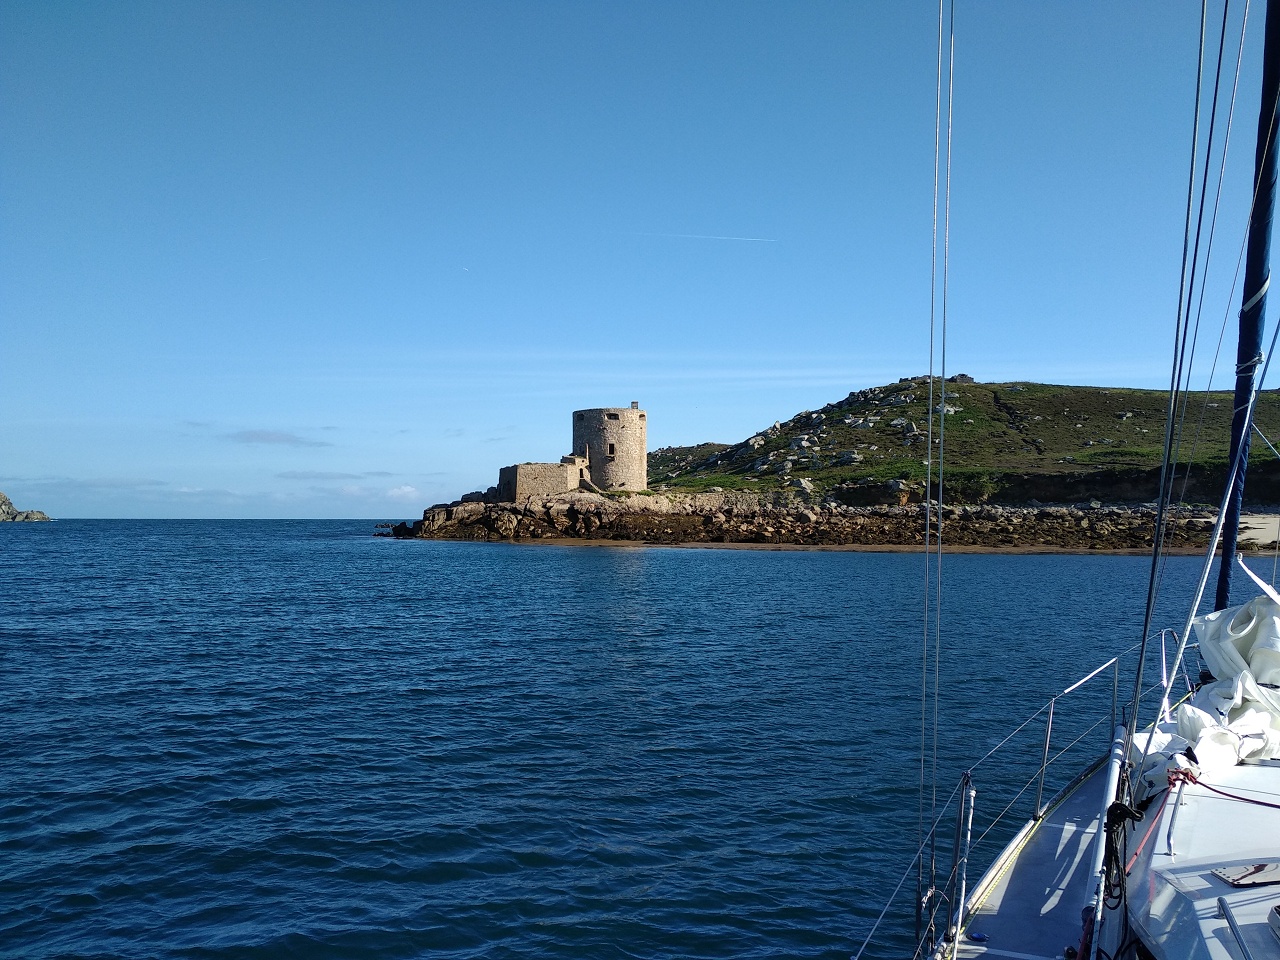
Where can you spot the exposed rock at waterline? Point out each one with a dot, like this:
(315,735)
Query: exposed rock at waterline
(9,512)
(736,517)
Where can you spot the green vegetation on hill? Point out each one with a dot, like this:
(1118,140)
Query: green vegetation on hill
(675,461)
(1005,442)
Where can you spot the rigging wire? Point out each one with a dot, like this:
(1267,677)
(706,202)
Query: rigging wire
(1270,446)
(1188,331)
(1191,336)
(928,501)
(1244,241)
(1181,499)
(1257,278)
(1217,532)
(1213,224)
(1175,382)
(1235,466)
(919,855)
(942,381)
(1275,556)
(930,647)
(1264,357)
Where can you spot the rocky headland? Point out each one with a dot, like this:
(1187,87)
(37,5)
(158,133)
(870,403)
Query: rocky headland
(777,520)
(1006,443)
(1030,466)
(10,513)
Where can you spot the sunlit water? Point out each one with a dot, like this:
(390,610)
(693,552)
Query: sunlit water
(239,739)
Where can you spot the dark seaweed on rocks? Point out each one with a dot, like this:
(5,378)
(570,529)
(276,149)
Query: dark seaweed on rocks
(728,517)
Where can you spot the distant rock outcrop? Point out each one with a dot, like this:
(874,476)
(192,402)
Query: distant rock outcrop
(9,512)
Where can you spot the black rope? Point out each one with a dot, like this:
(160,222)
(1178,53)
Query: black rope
(1119,816)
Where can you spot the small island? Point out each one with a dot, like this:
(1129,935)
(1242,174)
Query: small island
(1033,467)
(8,512)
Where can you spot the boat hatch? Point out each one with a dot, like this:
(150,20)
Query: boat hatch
(1251,875)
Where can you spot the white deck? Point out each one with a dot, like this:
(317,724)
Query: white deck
(1029,905)
(1173,893)
(1030,909)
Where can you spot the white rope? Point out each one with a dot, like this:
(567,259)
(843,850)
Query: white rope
(1249,365)
(1262,292)
(1265,587)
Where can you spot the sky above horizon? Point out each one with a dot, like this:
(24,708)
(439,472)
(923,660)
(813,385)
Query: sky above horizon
(316,259)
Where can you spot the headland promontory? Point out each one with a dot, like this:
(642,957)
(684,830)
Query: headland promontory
(1027,466)
(10,513)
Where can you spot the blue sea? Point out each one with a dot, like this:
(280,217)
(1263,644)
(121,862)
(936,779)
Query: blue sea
(294,739)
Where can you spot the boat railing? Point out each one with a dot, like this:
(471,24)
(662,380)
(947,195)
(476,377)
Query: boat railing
(1051,734)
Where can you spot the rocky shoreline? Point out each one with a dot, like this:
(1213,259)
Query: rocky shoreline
(10,513)
(751,520)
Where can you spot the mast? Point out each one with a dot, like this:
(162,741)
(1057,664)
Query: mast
(1257,277)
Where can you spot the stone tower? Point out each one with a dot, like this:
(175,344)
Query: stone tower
(614,441)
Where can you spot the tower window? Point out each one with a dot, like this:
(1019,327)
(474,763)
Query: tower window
(611,450)
(612,416)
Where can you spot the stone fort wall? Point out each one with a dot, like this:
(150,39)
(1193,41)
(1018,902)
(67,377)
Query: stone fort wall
(523,481)
(614,440)
(610,452)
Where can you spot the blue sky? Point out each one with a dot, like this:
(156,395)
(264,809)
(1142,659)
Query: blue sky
(308,259)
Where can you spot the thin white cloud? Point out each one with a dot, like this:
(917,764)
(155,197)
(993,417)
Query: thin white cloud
(317,475)
(141,496)
(90,483)
(276,437)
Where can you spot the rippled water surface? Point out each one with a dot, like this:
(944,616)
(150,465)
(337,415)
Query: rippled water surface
(290,738)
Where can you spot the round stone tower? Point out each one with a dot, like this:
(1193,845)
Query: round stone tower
(613,439)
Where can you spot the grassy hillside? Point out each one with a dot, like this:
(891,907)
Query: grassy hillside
(1006,442)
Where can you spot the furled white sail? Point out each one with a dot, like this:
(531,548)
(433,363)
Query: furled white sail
(1237,716)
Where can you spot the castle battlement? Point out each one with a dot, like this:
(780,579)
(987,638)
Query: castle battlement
(610,452)
(613,439)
